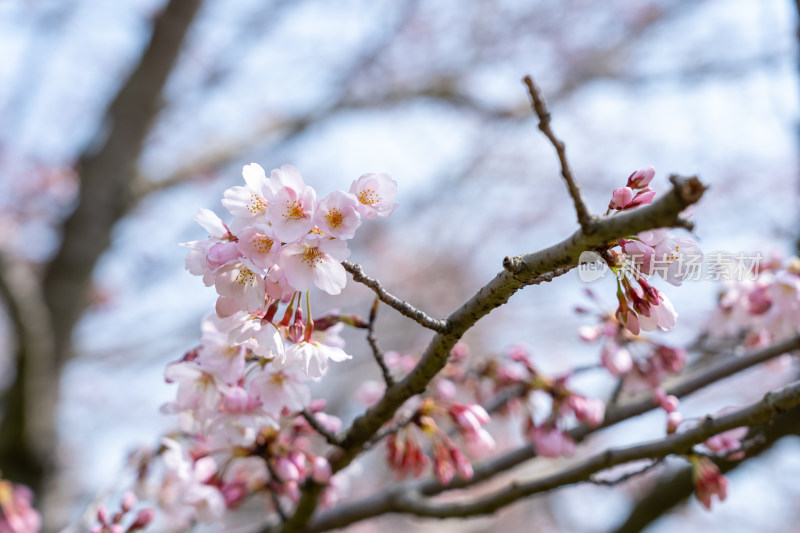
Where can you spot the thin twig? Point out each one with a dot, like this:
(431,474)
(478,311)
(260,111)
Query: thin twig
(332,439)
(376,349)
(276,500)
(628,475)
(403,307)
(615,394)
(585,218)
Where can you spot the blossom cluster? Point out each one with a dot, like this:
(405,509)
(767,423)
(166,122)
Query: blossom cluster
(764,308)
(113,523)
(642,306)
(548,405)
(17,514)
(243,397)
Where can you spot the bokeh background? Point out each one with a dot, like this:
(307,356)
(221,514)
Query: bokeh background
(133,114)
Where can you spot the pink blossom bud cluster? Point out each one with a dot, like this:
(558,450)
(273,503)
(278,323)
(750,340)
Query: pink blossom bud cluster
(113,523)
(410,449)
(17,514)
(635,356)
(515,377)
(642,306)
(764,307)
(708,481)
(635,193)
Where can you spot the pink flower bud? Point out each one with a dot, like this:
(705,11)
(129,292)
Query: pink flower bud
(462,464)
(286,470)
(129,501)
(616,359)
(589,410)
(293,491)
(674,419)
(644,197)
(708,481)
(143,519)
(668,403)
(589,333)
(641,178)
(322,470)
(620,198)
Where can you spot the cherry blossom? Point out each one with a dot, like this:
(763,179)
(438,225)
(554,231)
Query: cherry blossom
(259,245)
(315,260)
(375,194)
(249,204)
(244,287)
(291,214)
(313,357)
(338,216)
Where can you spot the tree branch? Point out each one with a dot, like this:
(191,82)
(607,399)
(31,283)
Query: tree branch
(377,504)
(332,439)
(681,443)
(518,273)
(403,307)
(585,218)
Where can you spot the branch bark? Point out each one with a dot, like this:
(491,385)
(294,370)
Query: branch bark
(519,272)
(373,506)
(415,502)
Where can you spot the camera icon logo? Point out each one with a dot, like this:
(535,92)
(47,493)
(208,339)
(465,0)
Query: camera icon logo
(591,267)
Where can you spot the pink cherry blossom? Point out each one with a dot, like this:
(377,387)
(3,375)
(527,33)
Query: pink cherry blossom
(217,356)
(337,215)
(291,213)
(185,493)
(242,285)
(672,254)
(198,391)
(640,254)
(315,259)
(258,244)
(313,357)
(375,194)
(279,388)
(249,204)
(260,336)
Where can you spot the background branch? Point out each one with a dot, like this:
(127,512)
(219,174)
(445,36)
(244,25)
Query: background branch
(411,502)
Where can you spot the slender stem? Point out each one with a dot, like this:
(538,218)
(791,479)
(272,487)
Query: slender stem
(332,439)
(377,353)
(403,307)
(585,218)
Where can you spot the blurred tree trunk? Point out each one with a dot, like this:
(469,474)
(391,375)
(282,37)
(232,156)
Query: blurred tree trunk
(106,169)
